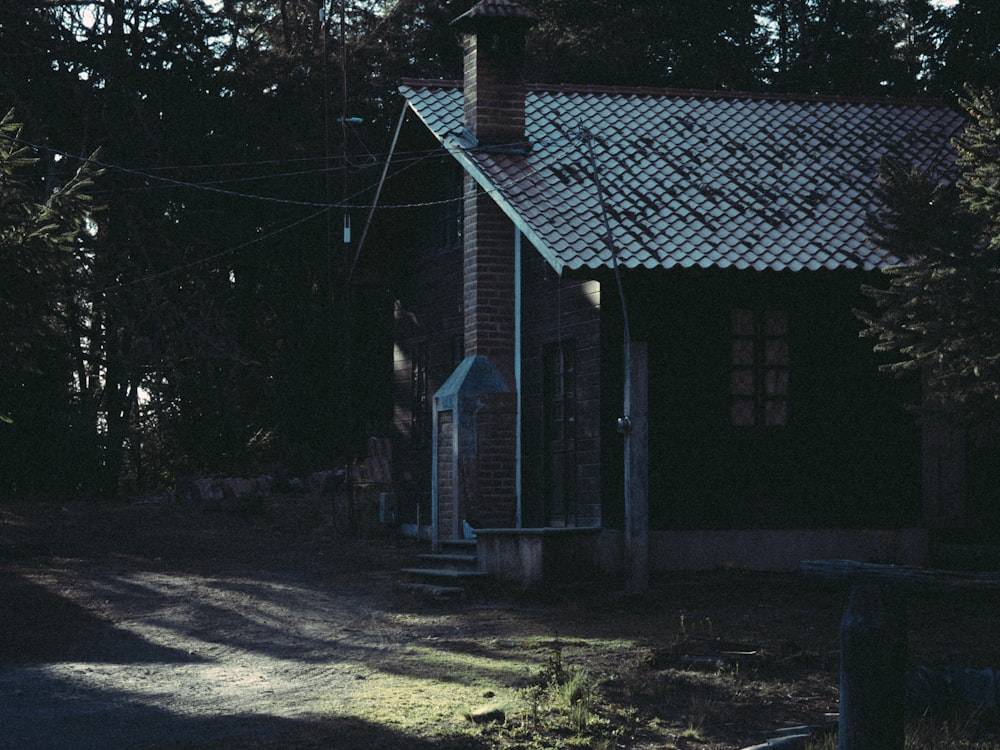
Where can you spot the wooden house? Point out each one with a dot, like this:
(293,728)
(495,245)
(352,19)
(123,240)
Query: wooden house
(725,234)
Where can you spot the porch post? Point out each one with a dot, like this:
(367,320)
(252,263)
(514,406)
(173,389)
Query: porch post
(636,432)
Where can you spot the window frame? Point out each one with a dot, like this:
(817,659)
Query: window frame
(420,407)
(759,368)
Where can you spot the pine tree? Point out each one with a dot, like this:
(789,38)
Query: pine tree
(969,46)
(42,219)
(940,313)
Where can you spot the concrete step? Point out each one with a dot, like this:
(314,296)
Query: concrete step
(451,560)
(467,546)
(446,574)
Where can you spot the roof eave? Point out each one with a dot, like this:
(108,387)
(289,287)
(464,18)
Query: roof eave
(459,150)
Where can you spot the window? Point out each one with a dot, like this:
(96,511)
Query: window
(450,215)
(560,391)
(759,368)
(419,403)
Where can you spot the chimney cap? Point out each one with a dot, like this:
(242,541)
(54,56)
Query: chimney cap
(488,11)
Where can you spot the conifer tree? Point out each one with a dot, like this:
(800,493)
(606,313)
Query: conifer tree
(940,313)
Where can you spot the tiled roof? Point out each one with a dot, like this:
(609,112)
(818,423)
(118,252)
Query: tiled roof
(494,9)
(695,178)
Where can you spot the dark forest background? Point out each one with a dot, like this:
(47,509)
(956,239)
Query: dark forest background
(187,304)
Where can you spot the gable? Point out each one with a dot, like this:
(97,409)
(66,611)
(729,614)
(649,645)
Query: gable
(695,179)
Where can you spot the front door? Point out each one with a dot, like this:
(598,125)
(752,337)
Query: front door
(559,428)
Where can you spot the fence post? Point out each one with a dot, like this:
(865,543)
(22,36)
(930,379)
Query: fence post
(873,669)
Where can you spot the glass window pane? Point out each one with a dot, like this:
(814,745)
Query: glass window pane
(776,412)
(742,382)
(776,352)
(742,351)
(776,382)
(743,412)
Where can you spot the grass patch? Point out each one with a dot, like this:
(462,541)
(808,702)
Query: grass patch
(958,732)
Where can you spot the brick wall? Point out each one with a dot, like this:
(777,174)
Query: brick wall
(496,503)
(559,310)
(446,473)
(554,310)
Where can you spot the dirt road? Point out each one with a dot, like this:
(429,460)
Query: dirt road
(156,627)
(170,626)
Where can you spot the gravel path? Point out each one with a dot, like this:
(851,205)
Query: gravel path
(165,627)
(145,659)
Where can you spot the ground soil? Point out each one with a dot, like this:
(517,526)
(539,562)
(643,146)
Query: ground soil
(167,625)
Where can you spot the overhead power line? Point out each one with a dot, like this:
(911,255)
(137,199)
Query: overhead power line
(410,158)
(212,188)
(213,256)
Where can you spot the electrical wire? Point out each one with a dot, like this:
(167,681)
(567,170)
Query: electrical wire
(293,160)
(412,158)
(415,157)
(214,256)
(176,183)
(609,239)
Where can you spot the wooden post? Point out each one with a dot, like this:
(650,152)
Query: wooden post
(872,669)
(636,432)
(873,641)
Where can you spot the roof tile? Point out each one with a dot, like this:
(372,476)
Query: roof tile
(696,178)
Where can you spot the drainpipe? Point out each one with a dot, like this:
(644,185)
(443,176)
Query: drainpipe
(517,372)
(633,425)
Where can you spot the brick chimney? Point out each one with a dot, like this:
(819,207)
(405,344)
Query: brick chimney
(493,34)
(475,410)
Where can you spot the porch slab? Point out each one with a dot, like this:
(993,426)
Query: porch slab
(540,555)
(564,555)
(783,549)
